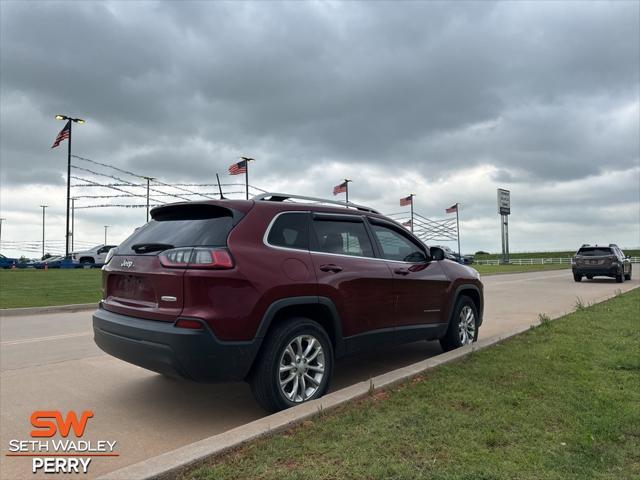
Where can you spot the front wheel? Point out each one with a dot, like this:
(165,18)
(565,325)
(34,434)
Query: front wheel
(294,365)
(463,327)
(620,277)
(577,277)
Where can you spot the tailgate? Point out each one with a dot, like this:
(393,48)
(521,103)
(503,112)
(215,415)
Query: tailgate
(139,286)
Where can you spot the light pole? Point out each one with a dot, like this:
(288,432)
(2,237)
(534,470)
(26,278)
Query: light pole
(73,222)
(70,120)
(43,207)
(148,179)
(105,234)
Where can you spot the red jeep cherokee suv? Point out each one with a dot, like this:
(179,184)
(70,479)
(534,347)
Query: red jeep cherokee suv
(272,291)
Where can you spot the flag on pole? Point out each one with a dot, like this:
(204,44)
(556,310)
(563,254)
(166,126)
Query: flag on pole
(406,201)
(342,188)
(63,135)
(452,209)
(407,224)
(238,168)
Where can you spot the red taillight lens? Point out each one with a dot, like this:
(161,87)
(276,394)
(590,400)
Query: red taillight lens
(215,258)
(190,324)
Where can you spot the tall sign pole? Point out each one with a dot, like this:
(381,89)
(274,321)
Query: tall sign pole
(504,209)
(412,195)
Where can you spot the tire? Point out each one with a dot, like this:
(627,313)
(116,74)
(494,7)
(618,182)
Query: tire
(628,275)
(577,277)
(275,390)
(589,277)
(620,277)
(87,261)
(463,329)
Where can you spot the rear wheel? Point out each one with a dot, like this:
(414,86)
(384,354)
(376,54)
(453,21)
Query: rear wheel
(463,327)
(628,275)
(577,277)
(294,365)
(88,261)
(620,276)
(589,277)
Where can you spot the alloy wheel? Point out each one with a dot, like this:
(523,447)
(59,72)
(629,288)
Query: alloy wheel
(301,368)
(466,325)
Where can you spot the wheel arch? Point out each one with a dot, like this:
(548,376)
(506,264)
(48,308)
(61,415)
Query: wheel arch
(474,294)
(319,309)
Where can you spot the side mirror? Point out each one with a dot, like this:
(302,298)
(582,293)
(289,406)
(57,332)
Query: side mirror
(437,253)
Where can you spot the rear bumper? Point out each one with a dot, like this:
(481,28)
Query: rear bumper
(596,270)
(178,352)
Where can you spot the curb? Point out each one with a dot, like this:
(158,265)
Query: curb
(13,312)
(169,464)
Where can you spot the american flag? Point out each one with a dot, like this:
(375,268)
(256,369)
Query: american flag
(407,224)
(238,168)
(452,208)
(406,201)
(63,135)
(340,188)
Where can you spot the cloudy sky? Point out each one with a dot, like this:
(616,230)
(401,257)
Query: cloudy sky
(445,100)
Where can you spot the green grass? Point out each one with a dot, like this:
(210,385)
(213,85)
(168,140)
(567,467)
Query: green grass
(39,288)
(491,269)
(561,401)
(564,254)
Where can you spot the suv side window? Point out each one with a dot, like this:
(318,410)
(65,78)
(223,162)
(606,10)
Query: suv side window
(290,230)
(396,246)
(342,237)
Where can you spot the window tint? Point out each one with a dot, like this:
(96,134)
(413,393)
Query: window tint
(184,226)
(594,251)
(290,230)
(344,238)
(397,247)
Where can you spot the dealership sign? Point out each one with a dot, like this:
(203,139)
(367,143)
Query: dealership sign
(504,202)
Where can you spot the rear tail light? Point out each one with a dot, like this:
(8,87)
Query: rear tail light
(190,324)
(214,258)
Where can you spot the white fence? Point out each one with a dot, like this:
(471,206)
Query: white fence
(536,261)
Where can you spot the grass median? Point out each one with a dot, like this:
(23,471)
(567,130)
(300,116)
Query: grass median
(558,402)
(495,269)
(43,288)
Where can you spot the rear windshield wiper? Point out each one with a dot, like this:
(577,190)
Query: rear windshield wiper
(150,247)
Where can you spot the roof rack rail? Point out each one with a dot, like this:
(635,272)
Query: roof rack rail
(585,245)
(281,197)
(613,245)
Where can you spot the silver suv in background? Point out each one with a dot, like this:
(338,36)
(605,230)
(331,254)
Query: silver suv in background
(600,261)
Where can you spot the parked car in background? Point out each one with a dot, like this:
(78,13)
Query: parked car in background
(6,262)
(272,290)
(454,256)
(600,261)
(93,256)
(51,262)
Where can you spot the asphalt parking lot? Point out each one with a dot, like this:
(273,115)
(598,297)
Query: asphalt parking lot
(50,362)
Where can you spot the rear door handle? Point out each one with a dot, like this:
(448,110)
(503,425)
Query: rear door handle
(330,267)
(401,271)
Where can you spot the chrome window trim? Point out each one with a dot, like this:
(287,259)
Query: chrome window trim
(277,247)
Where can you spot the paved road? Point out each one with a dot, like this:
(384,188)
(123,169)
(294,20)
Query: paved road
(50,362)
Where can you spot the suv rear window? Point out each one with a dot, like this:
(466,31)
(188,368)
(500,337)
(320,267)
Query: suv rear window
(595,251)
(184,226)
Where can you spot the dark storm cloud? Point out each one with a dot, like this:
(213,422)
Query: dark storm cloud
(355,82)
